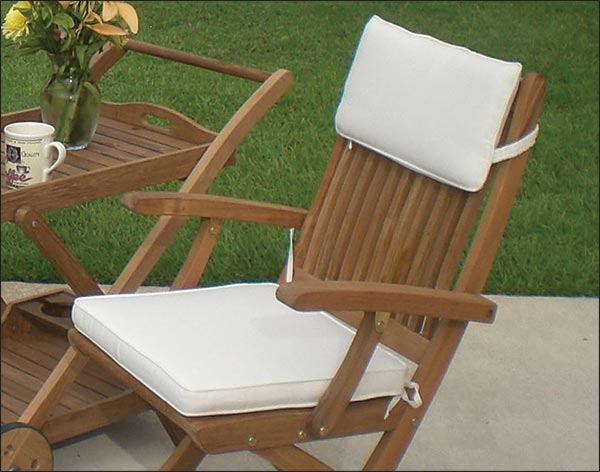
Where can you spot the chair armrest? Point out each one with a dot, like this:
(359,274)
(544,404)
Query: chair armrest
(213,206)
(373,297)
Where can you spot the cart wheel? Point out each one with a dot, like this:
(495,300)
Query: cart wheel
(25,448)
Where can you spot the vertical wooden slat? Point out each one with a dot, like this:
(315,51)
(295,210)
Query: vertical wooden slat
(369,262)
(443,236)
(388,200)
(351,220)
(330,199)
(370,211)
(387,231)
(459,239)
(441,222)
(301,247)
(333,223)
(414,235)
(395,253)
(437,220)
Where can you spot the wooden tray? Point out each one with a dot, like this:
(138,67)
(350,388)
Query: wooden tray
(127,153)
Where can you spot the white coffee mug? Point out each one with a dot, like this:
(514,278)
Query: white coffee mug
(29,156)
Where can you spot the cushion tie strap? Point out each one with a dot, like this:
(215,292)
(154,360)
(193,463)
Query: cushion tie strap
(518,147)
(289,270)
(413,398)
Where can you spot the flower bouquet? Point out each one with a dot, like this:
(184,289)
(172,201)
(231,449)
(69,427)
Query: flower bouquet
(71,33)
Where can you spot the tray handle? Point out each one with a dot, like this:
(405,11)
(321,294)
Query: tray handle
(158,118)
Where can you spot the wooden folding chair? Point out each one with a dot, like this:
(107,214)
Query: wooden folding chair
(376,295)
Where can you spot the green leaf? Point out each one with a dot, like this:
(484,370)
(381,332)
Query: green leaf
(64,20)
(46,15)
(80,51)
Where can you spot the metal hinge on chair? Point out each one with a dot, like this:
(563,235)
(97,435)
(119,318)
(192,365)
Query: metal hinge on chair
(381,320)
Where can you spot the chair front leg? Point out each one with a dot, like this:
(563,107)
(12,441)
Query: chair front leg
(337,397)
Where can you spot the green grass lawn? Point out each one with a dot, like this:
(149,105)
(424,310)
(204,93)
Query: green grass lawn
(551,243)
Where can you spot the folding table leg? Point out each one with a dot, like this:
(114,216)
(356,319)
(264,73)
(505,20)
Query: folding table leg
(53,248)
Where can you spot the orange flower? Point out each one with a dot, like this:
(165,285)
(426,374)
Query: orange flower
(127,12)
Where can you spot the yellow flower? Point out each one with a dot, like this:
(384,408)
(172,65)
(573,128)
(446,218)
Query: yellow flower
(15,23)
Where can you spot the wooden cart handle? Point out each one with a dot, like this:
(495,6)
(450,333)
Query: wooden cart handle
(108,57)
(104,60)
(196,60)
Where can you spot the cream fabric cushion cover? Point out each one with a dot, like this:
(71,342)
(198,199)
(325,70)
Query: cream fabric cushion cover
(436,108)
(230,349)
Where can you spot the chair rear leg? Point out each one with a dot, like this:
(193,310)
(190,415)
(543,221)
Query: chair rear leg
(175,432)
(392,446)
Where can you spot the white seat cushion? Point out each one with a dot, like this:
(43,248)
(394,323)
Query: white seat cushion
(230,349)
(434,107)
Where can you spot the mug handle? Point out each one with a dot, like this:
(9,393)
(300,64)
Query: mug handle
(62,154)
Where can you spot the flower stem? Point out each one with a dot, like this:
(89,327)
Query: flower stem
(66,120)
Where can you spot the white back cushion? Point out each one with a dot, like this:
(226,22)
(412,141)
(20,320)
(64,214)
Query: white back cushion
(436,108)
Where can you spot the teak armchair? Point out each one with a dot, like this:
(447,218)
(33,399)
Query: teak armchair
(386,274)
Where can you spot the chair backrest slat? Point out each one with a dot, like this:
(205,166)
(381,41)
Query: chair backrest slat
(378,221)
(381,222)
(346,209)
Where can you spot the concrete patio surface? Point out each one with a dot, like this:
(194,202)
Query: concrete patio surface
(521,394)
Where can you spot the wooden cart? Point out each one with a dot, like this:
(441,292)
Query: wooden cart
(127,153)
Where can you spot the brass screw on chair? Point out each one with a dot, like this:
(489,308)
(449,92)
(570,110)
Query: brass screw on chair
(251,441)
(301,434)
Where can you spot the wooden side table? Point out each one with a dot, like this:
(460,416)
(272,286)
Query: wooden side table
(127,153)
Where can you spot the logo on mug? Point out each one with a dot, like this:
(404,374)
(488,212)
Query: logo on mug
(19,179)
(13,154)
